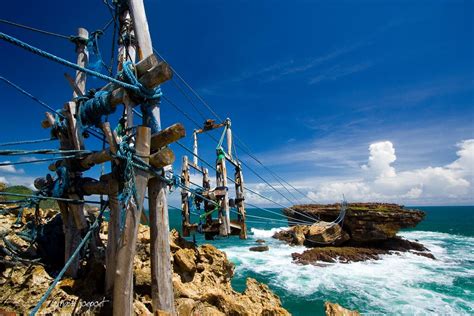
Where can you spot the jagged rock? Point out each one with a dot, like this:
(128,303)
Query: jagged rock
(334,309)
(315,235)
(260,241)
(363,221)
(259,248)
(325,233)
(201,279)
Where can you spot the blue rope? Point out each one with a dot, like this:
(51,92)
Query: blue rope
(14,152)
(8,163)
(42,53)
(39,197)
(68,263)
(23,142)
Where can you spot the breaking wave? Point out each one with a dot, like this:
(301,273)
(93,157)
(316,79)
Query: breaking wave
(397,284)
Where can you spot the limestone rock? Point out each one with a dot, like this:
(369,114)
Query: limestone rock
(201,279)
(325,233)
(334,309)
(318,234)
(363,221)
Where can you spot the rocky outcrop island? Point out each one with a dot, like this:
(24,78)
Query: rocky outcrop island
(367,231)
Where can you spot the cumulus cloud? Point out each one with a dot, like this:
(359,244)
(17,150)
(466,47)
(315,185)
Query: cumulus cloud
(11,169)
(381,182)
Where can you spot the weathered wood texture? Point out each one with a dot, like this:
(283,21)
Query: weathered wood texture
(224,211)
(82,60)
(162,295)
(161,272)
(239,202)
(185,197)
(123,283)
(163,157)
(167,136)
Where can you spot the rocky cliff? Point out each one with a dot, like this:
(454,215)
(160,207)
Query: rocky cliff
(202,279)
(363,221)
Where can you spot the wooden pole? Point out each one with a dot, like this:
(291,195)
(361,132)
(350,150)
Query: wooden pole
(206,184)
(221,181)
(161,272)
(163,296)
(239,195)
(195,148)
(127,51)
(123,283)
(185,196)
(82,60)
(73,214)
(229,139)
(113,233)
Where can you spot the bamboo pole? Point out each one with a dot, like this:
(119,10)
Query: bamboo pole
(123,283)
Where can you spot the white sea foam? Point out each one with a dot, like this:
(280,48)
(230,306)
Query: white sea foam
(265,233)
(398,284)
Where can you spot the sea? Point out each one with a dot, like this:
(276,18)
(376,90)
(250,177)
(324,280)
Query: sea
(399,284)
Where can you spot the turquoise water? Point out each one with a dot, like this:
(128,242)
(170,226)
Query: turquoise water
(399,284)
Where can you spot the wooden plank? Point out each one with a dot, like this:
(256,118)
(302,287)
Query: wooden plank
(167,136)
(71,82)
(48,121)
(163,157)
(96,158)
(123,283)
(161,272)
(110,137)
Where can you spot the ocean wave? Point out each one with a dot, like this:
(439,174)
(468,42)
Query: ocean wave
(400,284)
(265,233)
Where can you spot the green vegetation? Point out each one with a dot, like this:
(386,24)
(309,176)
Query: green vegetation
(21,189)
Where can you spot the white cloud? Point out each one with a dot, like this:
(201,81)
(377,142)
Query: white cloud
(10,169)
(381,182)
(382,155)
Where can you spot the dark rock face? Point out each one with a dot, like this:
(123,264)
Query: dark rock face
(364,221)
(360,252)
(259,248)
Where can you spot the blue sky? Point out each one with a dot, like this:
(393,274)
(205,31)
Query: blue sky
(310,86)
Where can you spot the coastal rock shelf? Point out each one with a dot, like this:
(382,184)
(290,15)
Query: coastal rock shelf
(367,232)
(201,280)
